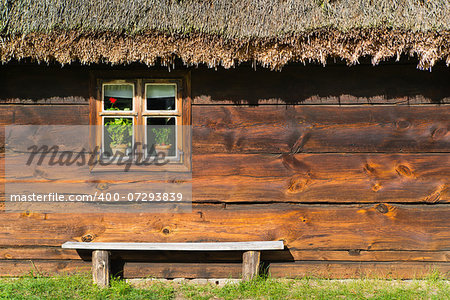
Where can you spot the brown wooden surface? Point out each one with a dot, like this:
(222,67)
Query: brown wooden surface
(51,115)
(56,253)
(250,264)
(14,268)
(307,178)
(101,268)
(44,115)
(345,154)
(306,227)
(182,270)
(239,189)
(292,129)
(290,270)
(398,270)
(75,100)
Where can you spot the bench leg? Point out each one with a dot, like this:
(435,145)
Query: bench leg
(100,268)
(250,264)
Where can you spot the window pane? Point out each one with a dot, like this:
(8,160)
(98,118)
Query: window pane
(161,136)
(117,136)
(118,97)
(160,96)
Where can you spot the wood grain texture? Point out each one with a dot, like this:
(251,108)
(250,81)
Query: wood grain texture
(290,270)
(51,115)
(182,270)
(332,155)
(332,178)
(398,270)
(219,246)
(14,268)
(292,254)
(101,268)
(305,178)
(70,100)
(6,118)
(304,227)
(250,264)
(292,129)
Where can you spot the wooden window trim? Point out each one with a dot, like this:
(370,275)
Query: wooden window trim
(140,79)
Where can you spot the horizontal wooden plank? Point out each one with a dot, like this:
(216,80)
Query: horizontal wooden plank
(398,270)
(38,253)
(219,246)
(182,270)
(292,254)
(50,114)
(393,270)
(232,189)
(70,100)
(292,129)
(305,178)
(6,118)
(393,84)
(15,268)
(303,227)
(302,189)
(280,129)
(43,115)
(321,178)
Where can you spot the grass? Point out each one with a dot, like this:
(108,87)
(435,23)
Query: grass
(81,287)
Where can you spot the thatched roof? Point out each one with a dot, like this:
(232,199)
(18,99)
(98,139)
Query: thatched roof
(224,32)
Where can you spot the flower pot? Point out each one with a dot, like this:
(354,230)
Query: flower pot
(119,149)
(162,149)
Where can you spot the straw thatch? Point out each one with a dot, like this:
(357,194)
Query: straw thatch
(224,32)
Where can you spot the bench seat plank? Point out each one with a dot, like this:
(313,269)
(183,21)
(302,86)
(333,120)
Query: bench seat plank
(221,246)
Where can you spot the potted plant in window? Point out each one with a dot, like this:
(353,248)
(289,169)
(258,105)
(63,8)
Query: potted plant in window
(120,130)
(162,140)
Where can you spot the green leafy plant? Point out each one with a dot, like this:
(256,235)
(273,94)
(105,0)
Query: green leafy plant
(119,130)
(162,135)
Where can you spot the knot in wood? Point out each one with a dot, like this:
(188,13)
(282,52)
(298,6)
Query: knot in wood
(376,187)
(354,252)
(166,231)
(403,124)
(102,186)
(382,208)
(439,133)
(403,170)
(87,238)
(434,197)
(369,170)
(297,184)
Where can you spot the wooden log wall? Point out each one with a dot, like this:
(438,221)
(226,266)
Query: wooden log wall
(349,166)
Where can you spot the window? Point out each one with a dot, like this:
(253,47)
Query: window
(141,118)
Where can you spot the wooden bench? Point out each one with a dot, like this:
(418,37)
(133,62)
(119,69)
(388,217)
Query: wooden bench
(101,253)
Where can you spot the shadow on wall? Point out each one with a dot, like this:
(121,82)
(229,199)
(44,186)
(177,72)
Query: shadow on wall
(333,84)
(33,83)
(388,83)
